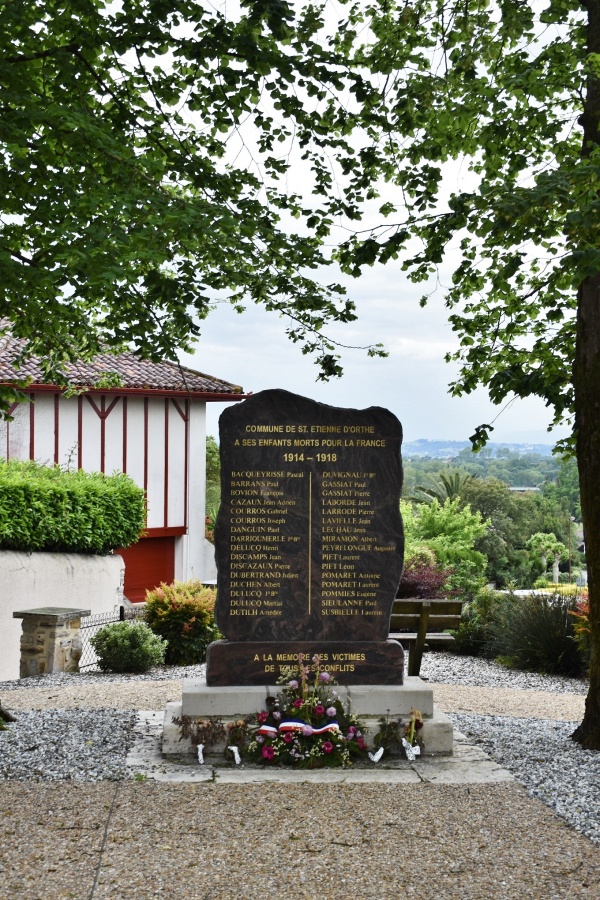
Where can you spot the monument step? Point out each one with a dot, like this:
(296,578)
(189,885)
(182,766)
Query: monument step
(436,733)
(202,700)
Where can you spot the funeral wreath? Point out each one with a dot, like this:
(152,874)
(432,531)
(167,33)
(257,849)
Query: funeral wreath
(306,724)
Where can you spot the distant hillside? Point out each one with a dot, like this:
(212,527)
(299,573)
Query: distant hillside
(449,449)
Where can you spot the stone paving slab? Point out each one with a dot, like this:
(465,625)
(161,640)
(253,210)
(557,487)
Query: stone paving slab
(129,841)
(468,765)
(51,838)
(243,775)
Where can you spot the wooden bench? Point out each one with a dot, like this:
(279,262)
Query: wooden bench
(416,622)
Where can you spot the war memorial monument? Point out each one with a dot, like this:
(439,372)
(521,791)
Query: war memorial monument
(309,549)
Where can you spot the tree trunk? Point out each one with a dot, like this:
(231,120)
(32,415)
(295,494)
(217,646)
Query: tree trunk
(587,423)
(6,716)
(587,410)
(555,563)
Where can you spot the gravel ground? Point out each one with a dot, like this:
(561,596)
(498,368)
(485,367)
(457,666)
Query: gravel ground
(543,758)
(447,668)
(67,745)
(82,743)
(62,679)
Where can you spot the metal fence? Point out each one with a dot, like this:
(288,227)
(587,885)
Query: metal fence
(91,624)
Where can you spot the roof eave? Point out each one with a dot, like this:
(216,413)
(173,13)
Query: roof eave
(208,396)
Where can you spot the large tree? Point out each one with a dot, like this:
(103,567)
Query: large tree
(511,88)
(144,146)
(127,198)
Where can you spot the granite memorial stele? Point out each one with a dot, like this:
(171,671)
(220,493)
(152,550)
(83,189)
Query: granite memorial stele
(308,541)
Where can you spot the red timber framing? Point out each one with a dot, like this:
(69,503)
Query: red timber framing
(103,406)
(144,432)
(152,559)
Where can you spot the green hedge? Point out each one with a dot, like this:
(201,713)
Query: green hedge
(45,508)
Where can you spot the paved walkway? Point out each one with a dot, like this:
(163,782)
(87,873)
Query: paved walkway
(433,829)
(129,841)
(156,695)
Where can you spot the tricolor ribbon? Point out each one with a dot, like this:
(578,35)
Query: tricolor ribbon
(298,725)
(267,730)
(295,725)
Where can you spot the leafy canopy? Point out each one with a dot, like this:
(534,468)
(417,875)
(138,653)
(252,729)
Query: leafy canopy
(125,207)
(150,149)
(497,86)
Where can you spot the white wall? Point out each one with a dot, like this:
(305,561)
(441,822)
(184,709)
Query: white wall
(31,580)
(194,555)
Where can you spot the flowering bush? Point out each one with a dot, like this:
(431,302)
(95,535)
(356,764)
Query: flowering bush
(306,725)
(183,614)
(581,626)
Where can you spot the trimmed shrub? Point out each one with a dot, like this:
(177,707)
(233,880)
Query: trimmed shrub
(46,508)
(536,634)
(128,647)
(183,613)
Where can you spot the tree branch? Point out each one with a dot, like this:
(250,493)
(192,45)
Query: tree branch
(70,48)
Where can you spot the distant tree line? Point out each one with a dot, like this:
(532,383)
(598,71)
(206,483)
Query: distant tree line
(513,518)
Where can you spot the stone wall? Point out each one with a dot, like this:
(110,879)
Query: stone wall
(29,580)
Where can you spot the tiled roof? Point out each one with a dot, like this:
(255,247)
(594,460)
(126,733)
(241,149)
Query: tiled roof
(134,373)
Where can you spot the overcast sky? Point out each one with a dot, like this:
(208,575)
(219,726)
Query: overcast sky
(252,350)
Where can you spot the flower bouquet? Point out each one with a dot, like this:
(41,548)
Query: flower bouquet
(306,725)
(400,736)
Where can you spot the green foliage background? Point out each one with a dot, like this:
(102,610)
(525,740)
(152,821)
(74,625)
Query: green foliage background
(213,477)
(450,532)
(513,517)
(46,508)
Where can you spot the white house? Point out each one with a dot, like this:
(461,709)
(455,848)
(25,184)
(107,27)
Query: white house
(152,426)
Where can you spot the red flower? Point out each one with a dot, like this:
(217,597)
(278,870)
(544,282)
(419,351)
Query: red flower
(319,710)
(267,752)
(298,702)
(361,743)
(327,746)
(262,717)
(288,737)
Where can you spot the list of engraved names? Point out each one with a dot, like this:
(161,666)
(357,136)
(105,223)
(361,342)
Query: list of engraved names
(310,519)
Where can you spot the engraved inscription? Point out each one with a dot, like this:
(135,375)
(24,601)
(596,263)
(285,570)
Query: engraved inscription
(309,539)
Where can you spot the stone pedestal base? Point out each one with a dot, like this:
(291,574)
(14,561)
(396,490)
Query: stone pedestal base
(262,663)
(51,640)
(370,702)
